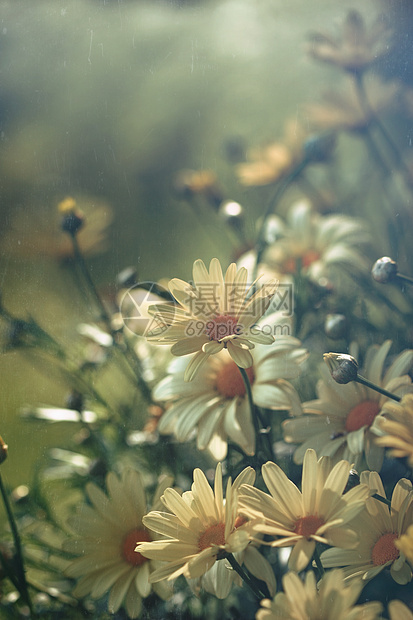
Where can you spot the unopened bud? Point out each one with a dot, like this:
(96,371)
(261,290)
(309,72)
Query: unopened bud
(73,219)
(384,270)
(319,148)
(3,450)
(127,278)
(343,367)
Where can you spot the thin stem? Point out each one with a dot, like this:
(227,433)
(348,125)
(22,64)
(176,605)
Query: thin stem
(17,544)
(404,278)
(267,452)
(130,358)
(279,192)
(317,560)
(245,577)
(377,388)
(361,91)
(382,499)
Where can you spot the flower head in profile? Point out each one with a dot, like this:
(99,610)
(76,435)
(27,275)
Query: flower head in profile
(215,402)
(215,312)
(334,599)
(316,246)
(318,513)
(358,47)
(270,163)
(200,529)
(395,426)
(380,529)
(105,534)
(339,423)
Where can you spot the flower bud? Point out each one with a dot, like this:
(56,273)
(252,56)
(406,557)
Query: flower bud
(384,270)
(343,367)
(127,278)
(319,147)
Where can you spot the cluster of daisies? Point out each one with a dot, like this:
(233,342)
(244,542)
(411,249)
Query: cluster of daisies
(235,359)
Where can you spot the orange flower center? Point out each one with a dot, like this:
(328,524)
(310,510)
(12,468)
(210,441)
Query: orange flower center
(385,550)
(362,414)
(221,326)
(129,543)
(307,526)
(229,381)
(214,535)
(291,264)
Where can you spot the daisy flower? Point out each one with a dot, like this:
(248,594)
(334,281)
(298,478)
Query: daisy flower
(215,402)
(396,427)
(213,313)
(357,48)
(318,513)
(270,163)
(315,245)
(105,536)
(200,528)
(333,600)
(338,423)
(380,529)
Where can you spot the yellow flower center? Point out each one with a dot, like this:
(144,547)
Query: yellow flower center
(362,414)
(229,381)
(385,550)
(221,326)
(307,526)
(129,543)
(214,535)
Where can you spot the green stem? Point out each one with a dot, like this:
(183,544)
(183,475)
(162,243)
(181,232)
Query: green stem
(279,192)
(23,589)
(368,110)
(317,560)
(245,576)
(266,450)
(382,499)
(404,278)
(129,358)
(376,388)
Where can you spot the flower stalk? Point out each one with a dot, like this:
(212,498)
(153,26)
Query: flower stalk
(245,577)
(259,432)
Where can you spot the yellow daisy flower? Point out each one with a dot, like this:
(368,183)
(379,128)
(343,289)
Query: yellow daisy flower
(396,426)
(380,529)
(214,313)
(333,600)
(338,424)
(105,536)
(318,513)
(200,528)
(215,402)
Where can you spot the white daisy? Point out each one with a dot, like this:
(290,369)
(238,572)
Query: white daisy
(215,312)
(338,423)
(215,401)
(319,513)
(105,536)
(380,529)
